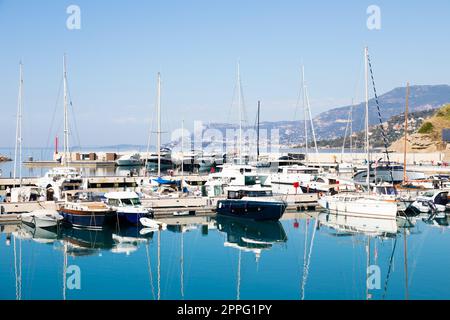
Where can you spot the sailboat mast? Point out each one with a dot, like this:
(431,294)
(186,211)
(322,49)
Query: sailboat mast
(182,153)
(240,111)
(312,123)
(158,112)
(366,54)
(66,118)
(405,177)
(305,112)
(257,132)
(18,145)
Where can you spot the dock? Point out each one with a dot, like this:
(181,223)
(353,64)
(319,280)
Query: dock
(169,207)
(9,219)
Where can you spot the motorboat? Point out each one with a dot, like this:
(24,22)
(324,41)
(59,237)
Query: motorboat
(128,160)
(231,175)
(288,179)
(256,203)
(432,202)
(42,218)
(60,179)
(87,214)
(165,161)
(128,206)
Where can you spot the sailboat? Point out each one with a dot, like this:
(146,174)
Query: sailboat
(162,159)
(60,179)
(363,205)
(39,218)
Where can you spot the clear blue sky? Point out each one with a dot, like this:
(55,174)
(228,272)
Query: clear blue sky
(114,58)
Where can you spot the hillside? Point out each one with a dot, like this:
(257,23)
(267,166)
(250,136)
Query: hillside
(427,138)
(394,129)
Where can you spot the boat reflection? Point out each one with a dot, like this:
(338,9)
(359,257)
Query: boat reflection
(251,236)
(348,225)
(83,242)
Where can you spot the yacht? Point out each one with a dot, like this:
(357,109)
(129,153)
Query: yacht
(233,175)
(129,160)
(128,207)
(289,179)
(253,202)
(383,173)
(166,161)
(60,179)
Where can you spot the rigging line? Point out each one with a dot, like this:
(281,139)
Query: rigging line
(149,266)
(390,268)
(73,116)
(383,133)
(54,113)
(228,118)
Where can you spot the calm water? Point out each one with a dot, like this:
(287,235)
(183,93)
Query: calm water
(299,258)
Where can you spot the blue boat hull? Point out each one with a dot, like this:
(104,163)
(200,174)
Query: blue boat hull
(86,220)
(255,210)
(132,218)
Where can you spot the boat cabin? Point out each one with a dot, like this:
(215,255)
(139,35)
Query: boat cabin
(122,199)
(238,194)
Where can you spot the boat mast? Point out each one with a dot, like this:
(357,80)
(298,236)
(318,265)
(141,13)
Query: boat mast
(305,113)
(257,132)
(158,111)
(240,111)
(312,123)
(405,177)
(18,145)
(366,54)
(66,118)
(182,154)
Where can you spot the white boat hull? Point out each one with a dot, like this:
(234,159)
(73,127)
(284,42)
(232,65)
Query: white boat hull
(359,206)
(42,218)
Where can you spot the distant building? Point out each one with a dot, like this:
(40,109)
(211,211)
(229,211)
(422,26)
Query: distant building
(446,135)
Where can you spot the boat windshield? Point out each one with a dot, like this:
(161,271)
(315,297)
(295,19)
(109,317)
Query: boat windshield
(246,193)
(131,202)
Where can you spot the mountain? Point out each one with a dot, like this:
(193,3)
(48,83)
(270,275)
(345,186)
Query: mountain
(331,124)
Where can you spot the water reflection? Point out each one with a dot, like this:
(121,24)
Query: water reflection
(251,236)
(309,257)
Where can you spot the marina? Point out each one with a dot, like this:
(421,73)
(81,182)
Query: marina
(224,151)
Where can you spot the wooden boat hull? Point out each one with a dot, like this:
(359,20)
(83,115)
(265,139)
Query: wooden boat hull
(86,219)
